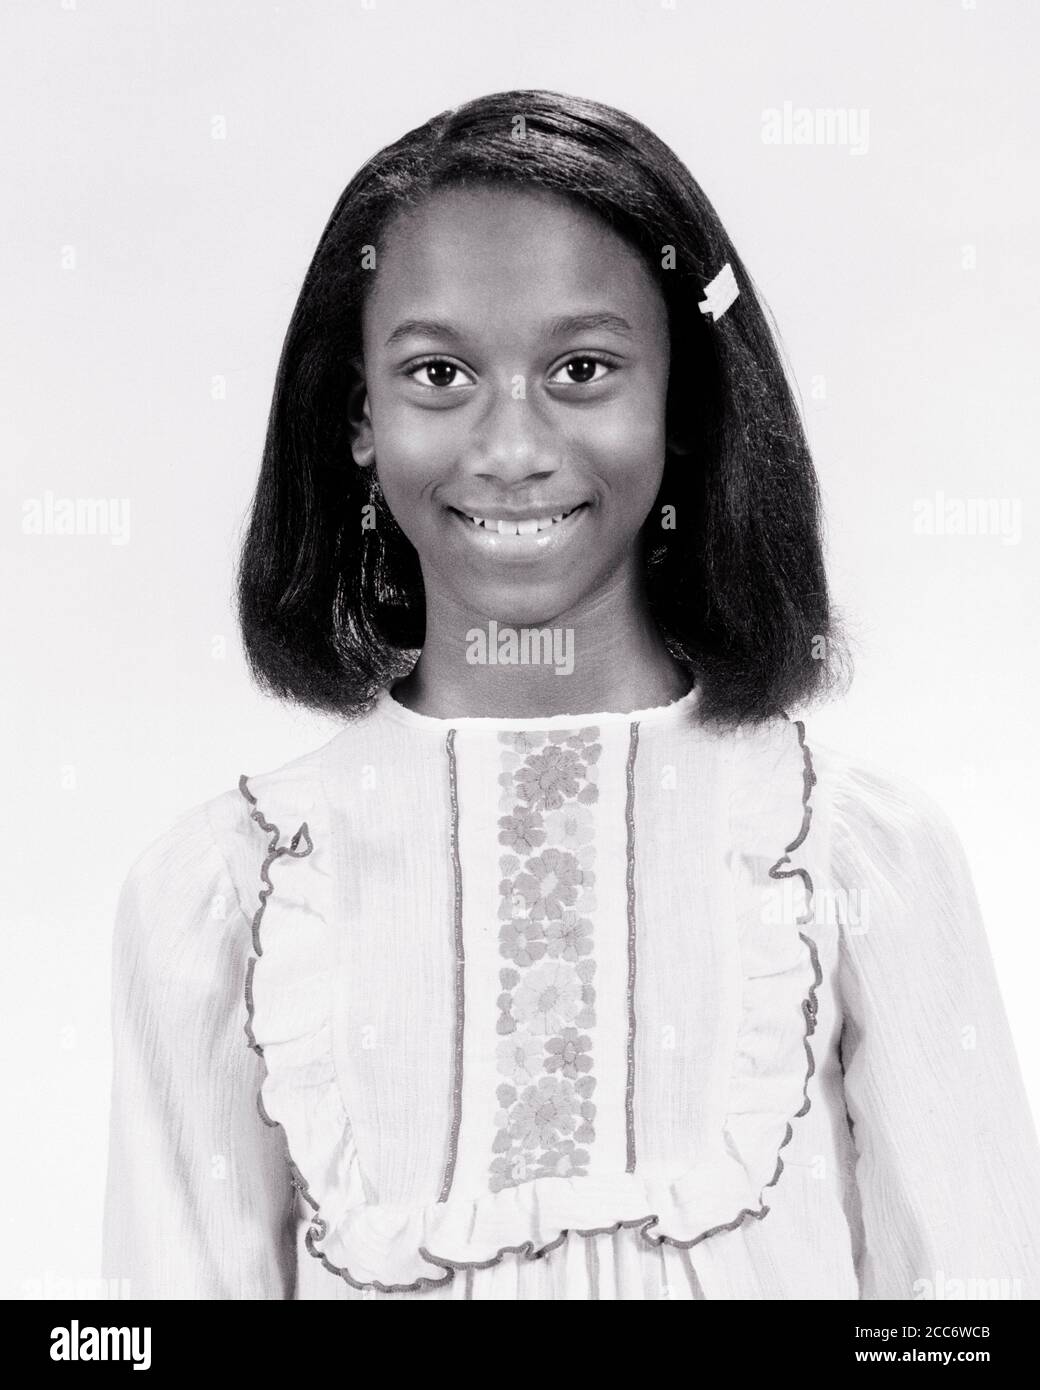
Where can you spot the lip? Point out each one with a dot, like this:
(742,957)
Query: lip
(542,543)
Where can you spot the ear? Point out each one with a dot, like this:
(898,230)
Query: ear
(678,444)
(359,422)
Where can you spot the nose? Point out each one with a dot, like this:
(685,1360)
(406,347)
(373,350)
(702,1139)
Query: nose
(513,441)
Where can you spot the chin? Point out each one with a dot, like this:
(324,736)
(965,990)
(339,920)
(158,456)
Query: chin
(534,606)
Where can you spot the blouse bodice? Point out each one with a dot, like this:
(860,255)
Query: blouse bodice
(591,1006)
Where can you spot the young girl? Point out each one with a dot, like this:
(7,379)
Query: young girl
(571,967)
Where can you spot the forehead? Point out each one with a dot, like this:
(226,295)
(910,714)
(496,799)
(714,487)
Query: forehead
(494,253)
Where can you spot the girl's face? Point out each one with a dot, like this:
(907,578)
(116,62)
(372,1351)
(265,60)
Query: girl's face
(515,370)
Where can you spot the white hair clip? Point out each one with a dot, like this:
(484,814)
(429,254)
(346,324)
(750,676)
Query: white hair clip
(721,292)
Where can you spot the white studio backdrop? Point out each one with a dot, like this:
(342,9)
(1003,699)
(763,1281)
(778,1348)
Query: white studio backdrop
(168,170)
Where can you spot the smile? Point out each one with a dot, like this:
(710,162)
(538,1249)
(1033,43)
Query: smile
(532,538)
(528,527)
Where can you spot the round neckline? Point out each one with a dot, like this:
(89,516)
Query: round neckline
(675,710)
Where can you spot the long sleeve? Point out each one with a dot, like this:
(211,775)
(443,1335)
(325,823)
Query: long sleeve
(947,1165)
(198,1203)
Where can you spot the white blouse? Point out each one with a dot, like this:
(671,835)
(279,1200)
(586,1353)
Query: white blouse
(605,1006)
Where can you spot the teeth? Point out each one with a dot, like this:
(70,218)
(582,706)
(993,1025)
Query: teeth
(530,527)
(519,528)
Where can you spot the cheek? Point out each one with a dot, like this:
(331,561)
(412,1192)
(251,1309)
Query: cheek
(410,442)
(626,446)
(413,449)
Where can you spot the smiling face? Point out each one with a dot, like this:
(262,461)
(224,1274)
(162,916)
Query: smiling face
(515,371)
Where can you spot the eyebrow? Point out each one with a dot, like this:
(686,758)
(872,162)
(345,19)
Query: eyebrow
(561,327)
(422,328)
(589,323)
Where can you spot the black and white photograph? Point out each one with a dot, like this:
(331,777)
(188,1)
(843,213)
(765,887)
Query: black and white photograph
(522,592)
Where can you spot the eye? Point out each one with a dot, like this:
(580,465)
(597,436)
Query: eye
(435,373)
(582,370)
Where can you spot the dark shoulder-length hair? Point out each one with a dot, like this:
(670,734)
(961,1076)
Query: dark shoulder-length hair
(331,612)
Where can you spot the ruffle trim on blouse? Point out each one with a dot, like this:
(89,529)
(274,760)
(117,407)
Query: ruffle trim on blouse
(396,1249)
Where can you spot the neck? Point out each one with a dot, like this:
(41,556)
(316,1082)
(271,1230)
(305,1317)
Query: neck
(606,655)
